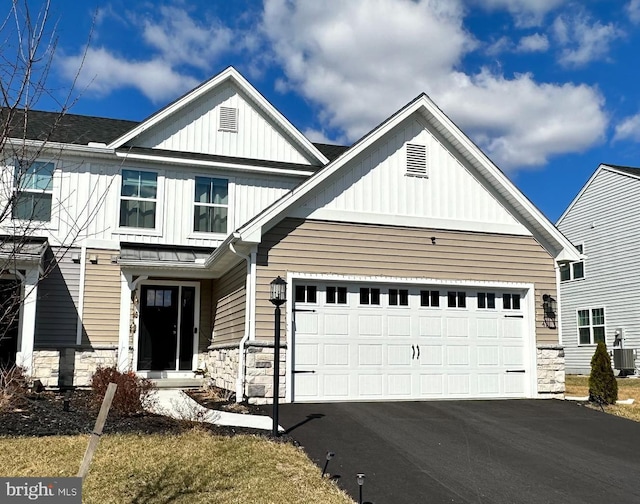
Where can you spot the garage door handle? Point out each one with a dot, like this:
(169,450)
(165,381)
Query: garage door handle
(514,316)
(304,372)
(516,371)
(413,352)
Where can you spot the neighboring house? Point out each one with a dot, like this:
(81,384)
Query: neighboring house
(600,295)
(415,268)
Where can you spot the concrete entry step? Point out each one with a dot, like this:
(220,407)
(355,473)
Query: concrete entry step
(178,383)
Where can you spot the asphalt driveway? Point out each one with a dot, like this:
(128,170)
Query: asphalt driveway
(493,452)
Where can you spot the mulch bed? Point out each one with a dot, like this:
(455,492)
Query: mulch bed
(43,414)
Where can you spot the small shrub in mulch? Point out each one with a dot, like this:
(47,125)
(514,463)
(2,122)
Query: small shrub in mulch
(13,386)
(603,387)
(132,395)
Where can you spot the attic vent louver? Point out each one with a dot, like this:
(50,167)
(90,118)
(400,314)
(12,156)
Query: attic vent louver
(229,119)
(417,160)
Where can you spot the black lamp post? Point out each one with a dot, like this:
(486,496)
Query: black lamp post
(278,296)
(360,480)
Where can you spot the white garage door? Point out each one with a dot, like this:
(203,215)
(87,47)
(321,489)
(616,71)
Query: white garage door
(380,342)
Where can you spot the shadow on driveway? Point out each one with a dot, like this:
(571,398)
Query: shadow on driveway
(511,452)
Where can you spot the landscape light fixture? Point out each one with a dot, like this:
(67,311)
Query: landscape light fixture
(330,455)
(360,480)
(277,296)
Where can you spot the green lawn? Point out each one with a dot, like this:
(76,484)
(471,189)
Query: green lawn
(195,467)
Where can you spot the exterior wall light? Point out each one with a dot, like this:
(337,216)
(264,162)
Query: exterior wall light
(550,308)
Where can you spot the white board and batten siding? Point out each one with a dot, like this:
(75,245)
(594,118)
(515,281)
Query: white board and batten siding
(90,194)
(345,352)
(375,188)
(606,220)
(197,129)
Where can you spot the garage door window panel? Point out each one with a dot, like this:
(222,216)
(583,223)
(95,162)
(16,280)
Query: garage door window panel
(456,299)
(369,296)
(398,297)
(306,294)
(430,298)
(337,295)
(511,301)
(486,301)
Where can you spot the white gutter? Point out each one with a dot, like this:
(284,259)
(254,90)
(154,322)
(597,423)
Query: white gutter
(213,164)
(247,321)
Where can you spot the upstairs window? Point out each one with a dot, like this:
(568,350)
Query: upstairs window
(417,160)
(34,190)
(574,270)
(138,199)
(591,326)
(211,205)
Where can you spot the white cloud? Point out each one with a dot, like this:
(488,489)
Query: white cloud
(583,41)
(628,129)
(525,12)
(179,44)
(502,45)
(633,10)
(361,63)
(103,72)
(533,43)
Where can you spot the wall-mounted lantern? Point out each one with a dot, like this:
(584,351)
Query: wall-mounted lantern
(550,309)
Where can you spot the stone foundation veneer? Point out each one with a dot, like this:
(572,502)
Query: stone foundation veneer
(258,386)
(551,376)
(71,366)
(222,365)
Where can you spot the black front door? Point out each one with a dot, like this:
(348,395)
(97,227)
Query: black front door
(9,321)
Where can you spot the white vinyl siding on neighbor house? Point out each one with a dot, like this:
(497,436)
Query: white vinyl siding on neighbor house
(451,197)
(606,219)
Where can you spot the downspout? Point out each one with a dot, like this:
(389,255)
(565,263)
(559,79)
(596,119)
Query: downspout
(247,321)
(559,304)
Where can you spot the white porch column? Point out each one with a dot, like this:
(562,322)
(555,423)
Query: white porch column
(125,320)
(24,355)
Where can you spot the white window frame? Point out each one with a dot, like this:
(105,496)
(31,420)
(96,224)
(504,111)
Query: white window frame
(48,224)
(369,296)
(591,325)
(157,230)
(571,266)
(211,205)
(305,286)
(511,294)
(430,291)
(398,292)
(457,306)
(337,295)
(486,306)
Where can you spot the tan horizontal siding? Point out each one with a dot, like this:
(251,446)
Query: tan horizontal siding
(229,305)
(321,247)
(101,310)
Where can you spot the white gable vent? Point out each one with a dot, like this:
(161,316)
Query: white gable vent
(417,160)
(229,119)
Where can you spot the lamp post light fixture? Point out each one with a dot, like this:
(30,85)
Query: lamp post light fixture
(360,480)
(277,296)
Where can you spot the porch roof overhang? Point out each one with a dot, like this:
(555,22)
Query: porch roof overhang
(16,252)
(189,261)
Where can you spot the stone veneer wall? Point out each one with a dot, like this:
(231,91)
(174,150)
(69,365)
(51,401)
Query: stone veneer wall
(222,365)
(259,372)
(551,376)
(70,366)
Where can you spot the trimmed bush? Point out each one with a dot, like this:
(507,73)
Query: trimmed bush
(132,395)
(13,385)
(603,387)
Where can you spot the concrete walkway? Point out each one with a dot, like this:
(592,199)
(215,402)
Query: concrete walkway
(176,404)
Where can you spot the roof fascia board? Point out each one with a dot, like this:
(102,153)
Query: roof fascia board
(232,74)
(212,164)
(582,191)
(44,145)
(530,211)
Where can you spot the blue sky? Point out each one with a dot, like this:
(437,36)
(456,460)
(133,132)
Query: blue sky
(547,88)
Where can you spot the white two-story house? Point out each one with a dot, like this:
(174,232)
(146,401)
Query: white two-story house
(415,269)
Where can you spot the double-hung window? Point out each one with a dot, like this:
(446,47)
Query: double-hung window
(33,191)
(591,326)
(211,205)
(138,199)
(574,270)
